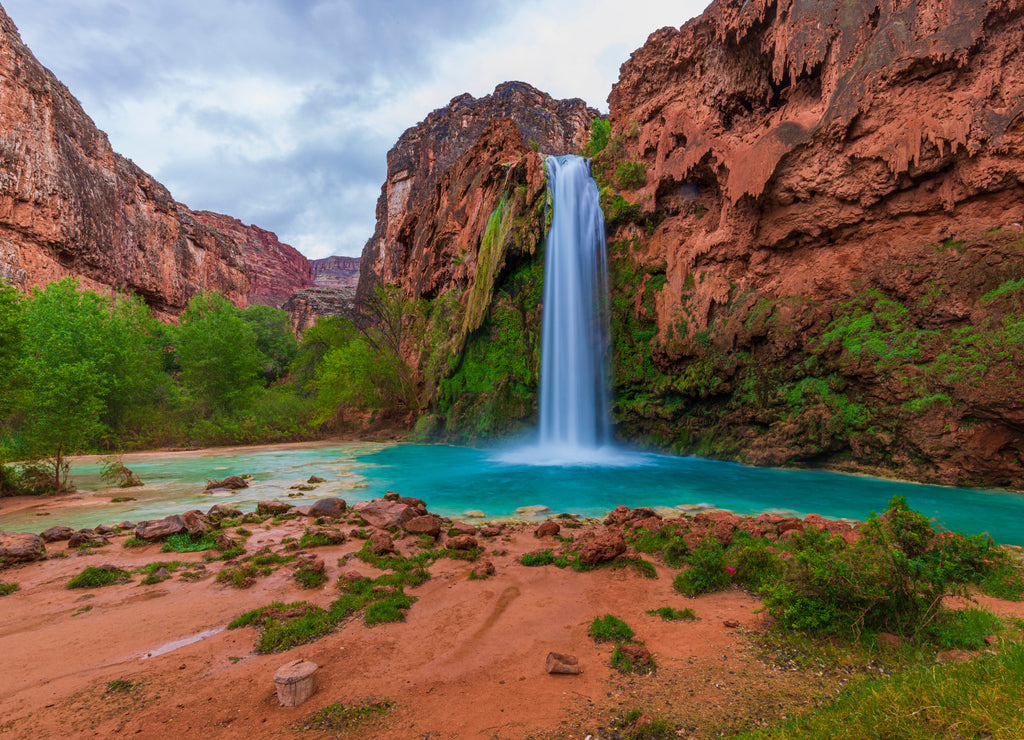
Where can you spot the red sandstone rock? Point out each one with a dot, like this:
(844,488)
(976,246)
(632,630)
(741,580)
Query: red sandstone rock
(336,272)
(385,514)
(547,529)
(562,664)
(20,547)
(160,529)
(381,544)
(606,545)
(55,534)
(618,515)
(331,508)
(462,542)
(427,524)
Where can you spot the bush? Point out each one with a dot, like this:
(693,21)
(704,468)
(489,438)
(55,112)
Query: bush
(668,614)
(706,572)
(8,588)
(97,577)
(631,175)
(964,629)
(609,628)
(186,542)
(534,559)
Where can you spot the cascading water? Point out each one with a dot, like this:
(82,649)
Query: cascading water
(574,418)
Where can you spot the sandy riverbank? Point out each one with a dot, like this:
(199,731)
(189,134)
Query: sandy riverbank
(469,661)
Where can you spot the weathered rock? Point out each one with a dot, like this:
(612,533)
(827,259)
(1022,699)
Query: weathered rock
(305,306)
(475,514)
(606,545)
(104,529)
(533,510)
(790,524)
(439,196)
(619,515)
(272,508)
(234,482)
(547,529)
(55,534)
(559,663)
(276,270)
(428,524)
(492,531)
(301,487)
(20,547)
(195,522)
(381,543)
(336,272)
(333,536)
(385,514)
(316,479)
(160,529)
(224,542)
(638,654)
(331,508)
(482,569)
(87,537)
(462,528)
(223,511)
(462,542)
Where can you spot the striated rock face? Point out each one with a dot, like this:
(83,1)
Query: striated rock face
(307,305)
(819,214)
(70,206)
(336,272)
(428,151)
(276,270)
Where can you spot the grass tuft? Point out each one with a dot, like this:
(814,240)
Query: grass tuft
(97,577)
(668,614)
(609,628)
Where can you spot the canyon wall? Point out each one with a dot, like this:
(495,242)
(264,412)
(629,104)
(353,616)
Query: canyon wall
(406,250)
(276,270)
(815,213)
(336,272)
(69,205)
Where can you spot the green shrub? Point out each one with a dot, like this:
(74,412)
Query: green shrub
(756,567)
(134,541)
(609,628)
(389,609)
(97,577)
(7,587)
(534,559)
(310,577)
(641,566)
(187,542)
(963,629)
(314,540)
(668,614)
(600,131)
(631,175)
(706,573)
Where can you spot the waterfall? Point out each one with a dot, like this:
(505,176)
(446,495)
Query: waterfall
(574,396)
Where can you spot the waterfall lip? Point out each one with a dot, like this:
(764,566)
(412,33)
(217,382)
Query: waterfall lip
(573,456)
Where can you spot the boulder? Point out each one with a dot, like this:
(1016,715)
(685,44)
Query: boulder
(223,511)
(302,487)
(547,529)
(20,547)
(604,546)
(482,569)
(381,544)
(331,508)
(426,524)
(316,479)
(643,512)
(533,510)
(55,534)
(195,522)
(385,514)
(333,536)
(272,508)
(562,664)
(232,481)
(638,654)
(160,529)
(618,515)
(86,537)
(462,542)
(492,531)
(789,524)
(105,529)
(461,528)
(475,514)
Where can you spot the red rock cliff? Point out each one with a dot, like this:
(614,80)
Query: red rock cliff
(70,206)
(427,151)
(276,270)
(336,272)
(823,203)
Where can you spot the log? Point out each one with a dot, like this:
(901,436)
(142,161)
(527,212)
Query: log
(295,682)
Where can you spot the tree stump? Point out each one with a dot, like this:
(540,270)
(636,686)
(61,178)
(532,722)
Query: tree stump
(295,682)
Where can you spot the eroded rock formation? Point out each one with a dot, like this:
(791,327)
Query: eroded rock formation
(276,270)
(69,205)
(819,212)
(336,272)
(427,152)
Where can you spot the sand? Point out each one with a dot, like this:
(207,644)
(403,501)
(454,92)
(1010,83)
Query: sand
(468,662)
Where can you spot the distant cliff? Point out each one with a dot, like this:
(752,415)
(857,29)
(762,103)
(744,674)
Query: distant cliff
(336,272)
(70,206)
(276,270)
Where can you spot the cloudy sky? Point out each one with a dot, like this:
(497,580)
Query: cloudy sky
(281,112)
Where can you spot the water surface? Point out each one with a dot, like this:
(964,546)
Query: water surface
(454,480)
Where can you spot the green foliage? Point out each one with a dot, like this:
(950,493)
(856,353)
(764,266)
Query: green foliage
(317,539)
(631,175)
(610,628)
(1006,288)
(216,349)
(187,542)
(535,559)
(656,729)
(962,629)
(275,342)
(134,541)
(977,698)
(121,686)
(641,566)
(338,717)
(309,576)
(668,614)
(706,572)
(600,131)
(97,577)
(389,609)
(624,664)
(8,587)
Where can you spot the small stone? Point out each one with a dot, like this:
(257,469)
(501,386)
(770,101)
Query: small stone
(483,569)
(532,510)
(558,663)
(475,514)
(547,529)
(232,481)
(302,487)
(316,479)
(462,542)
(731,624)
(490,531)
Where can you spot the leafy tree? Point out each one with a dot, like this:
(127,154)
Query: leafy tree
(274,340)
(329,332)
(217,352)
